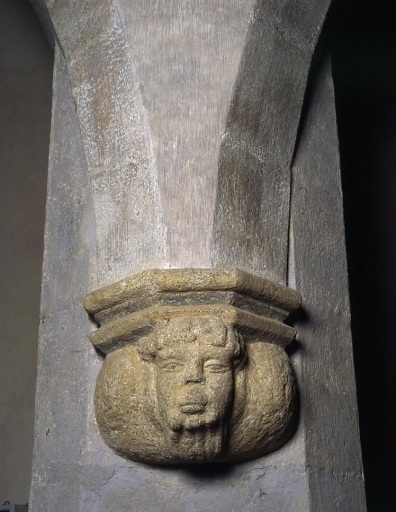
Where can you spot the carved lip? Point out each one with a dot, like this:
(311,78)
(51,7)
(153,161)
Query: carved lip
(193,408)
(194,403)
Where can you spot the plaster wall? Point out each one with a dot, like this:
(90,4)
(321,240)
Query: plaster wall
(25,110)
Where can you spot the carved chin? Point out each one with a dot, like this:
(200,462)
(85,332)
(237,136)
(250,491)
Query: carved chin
(199,435)
(199,444)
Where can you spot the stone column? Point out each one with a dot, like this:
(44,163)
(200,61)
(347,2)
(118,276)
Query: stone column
(173,135)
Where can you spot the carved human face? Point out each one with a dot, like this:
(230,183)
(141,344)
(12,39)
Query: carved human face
(194,383)
(194,372)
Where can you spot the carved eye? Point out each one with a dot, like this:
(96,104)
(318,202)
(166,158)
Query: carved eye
(216,367)
(172,366)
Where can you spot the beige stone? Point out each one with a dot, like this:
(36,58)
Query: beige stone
(198,382)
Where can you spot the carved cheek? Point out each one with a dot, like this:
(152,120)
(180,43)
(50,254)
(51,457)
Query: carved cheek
(167,384)
(219,387)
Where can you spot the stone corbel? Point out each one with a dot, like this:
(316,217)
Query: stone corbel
(195,367)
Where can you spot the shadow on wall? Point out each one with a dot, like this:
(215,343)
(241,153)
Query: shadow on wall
(26,63)
(364,67)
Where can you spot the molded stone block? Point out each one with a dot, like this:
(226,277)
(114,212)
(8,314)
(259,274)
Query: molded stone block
(195,369)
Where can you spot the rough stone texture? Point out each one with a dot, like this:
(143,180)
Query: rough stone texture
(208,386)
(151,286)
(93,477)
(320,273)
(129,328)
(131,307)
(196,394)
(187,54)
(115,136)
(26,64)
(62,362)
(259,138)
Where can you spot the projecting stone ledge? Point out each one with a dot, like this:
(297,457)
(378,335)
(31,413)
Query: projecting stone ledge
(195,368)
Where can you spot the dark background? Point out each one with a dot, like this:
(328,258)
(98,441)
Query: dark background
(363,44)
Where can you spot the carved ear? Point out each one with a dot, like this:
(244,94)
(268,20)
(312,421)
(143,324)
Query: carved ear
(147,347)
(241,357)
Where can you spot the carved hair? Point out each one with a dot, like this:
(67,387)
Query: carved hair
(186,330)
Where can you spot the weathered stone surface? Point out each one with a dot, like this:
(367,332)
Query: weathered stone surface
(114,133)
(318,268)
(131,307)
(128,329)
(251,222)
(193,383)
(62,362)
(93,476)
(185,394)
(186,55)
(151,283)
(26,63)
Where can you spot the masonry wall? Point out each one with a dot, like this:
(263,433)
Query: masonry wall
(110,212)
(25,107)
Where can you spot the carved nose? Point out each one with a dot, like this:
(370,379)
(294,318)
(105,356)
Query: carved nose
(193,372)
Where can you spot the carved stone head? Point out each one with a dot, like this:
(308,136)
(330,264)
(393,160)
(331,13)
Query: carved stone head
(188,378)
(195,361)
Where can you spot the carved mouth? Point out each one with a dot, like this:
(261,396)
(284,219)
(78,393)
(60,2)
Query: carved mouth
(193,402)
(193,408)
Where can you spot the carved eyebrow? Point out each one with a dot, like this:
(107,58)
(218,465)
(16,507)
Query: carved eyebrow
(171,357)
(171,363)
(216,364)
(216,361)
